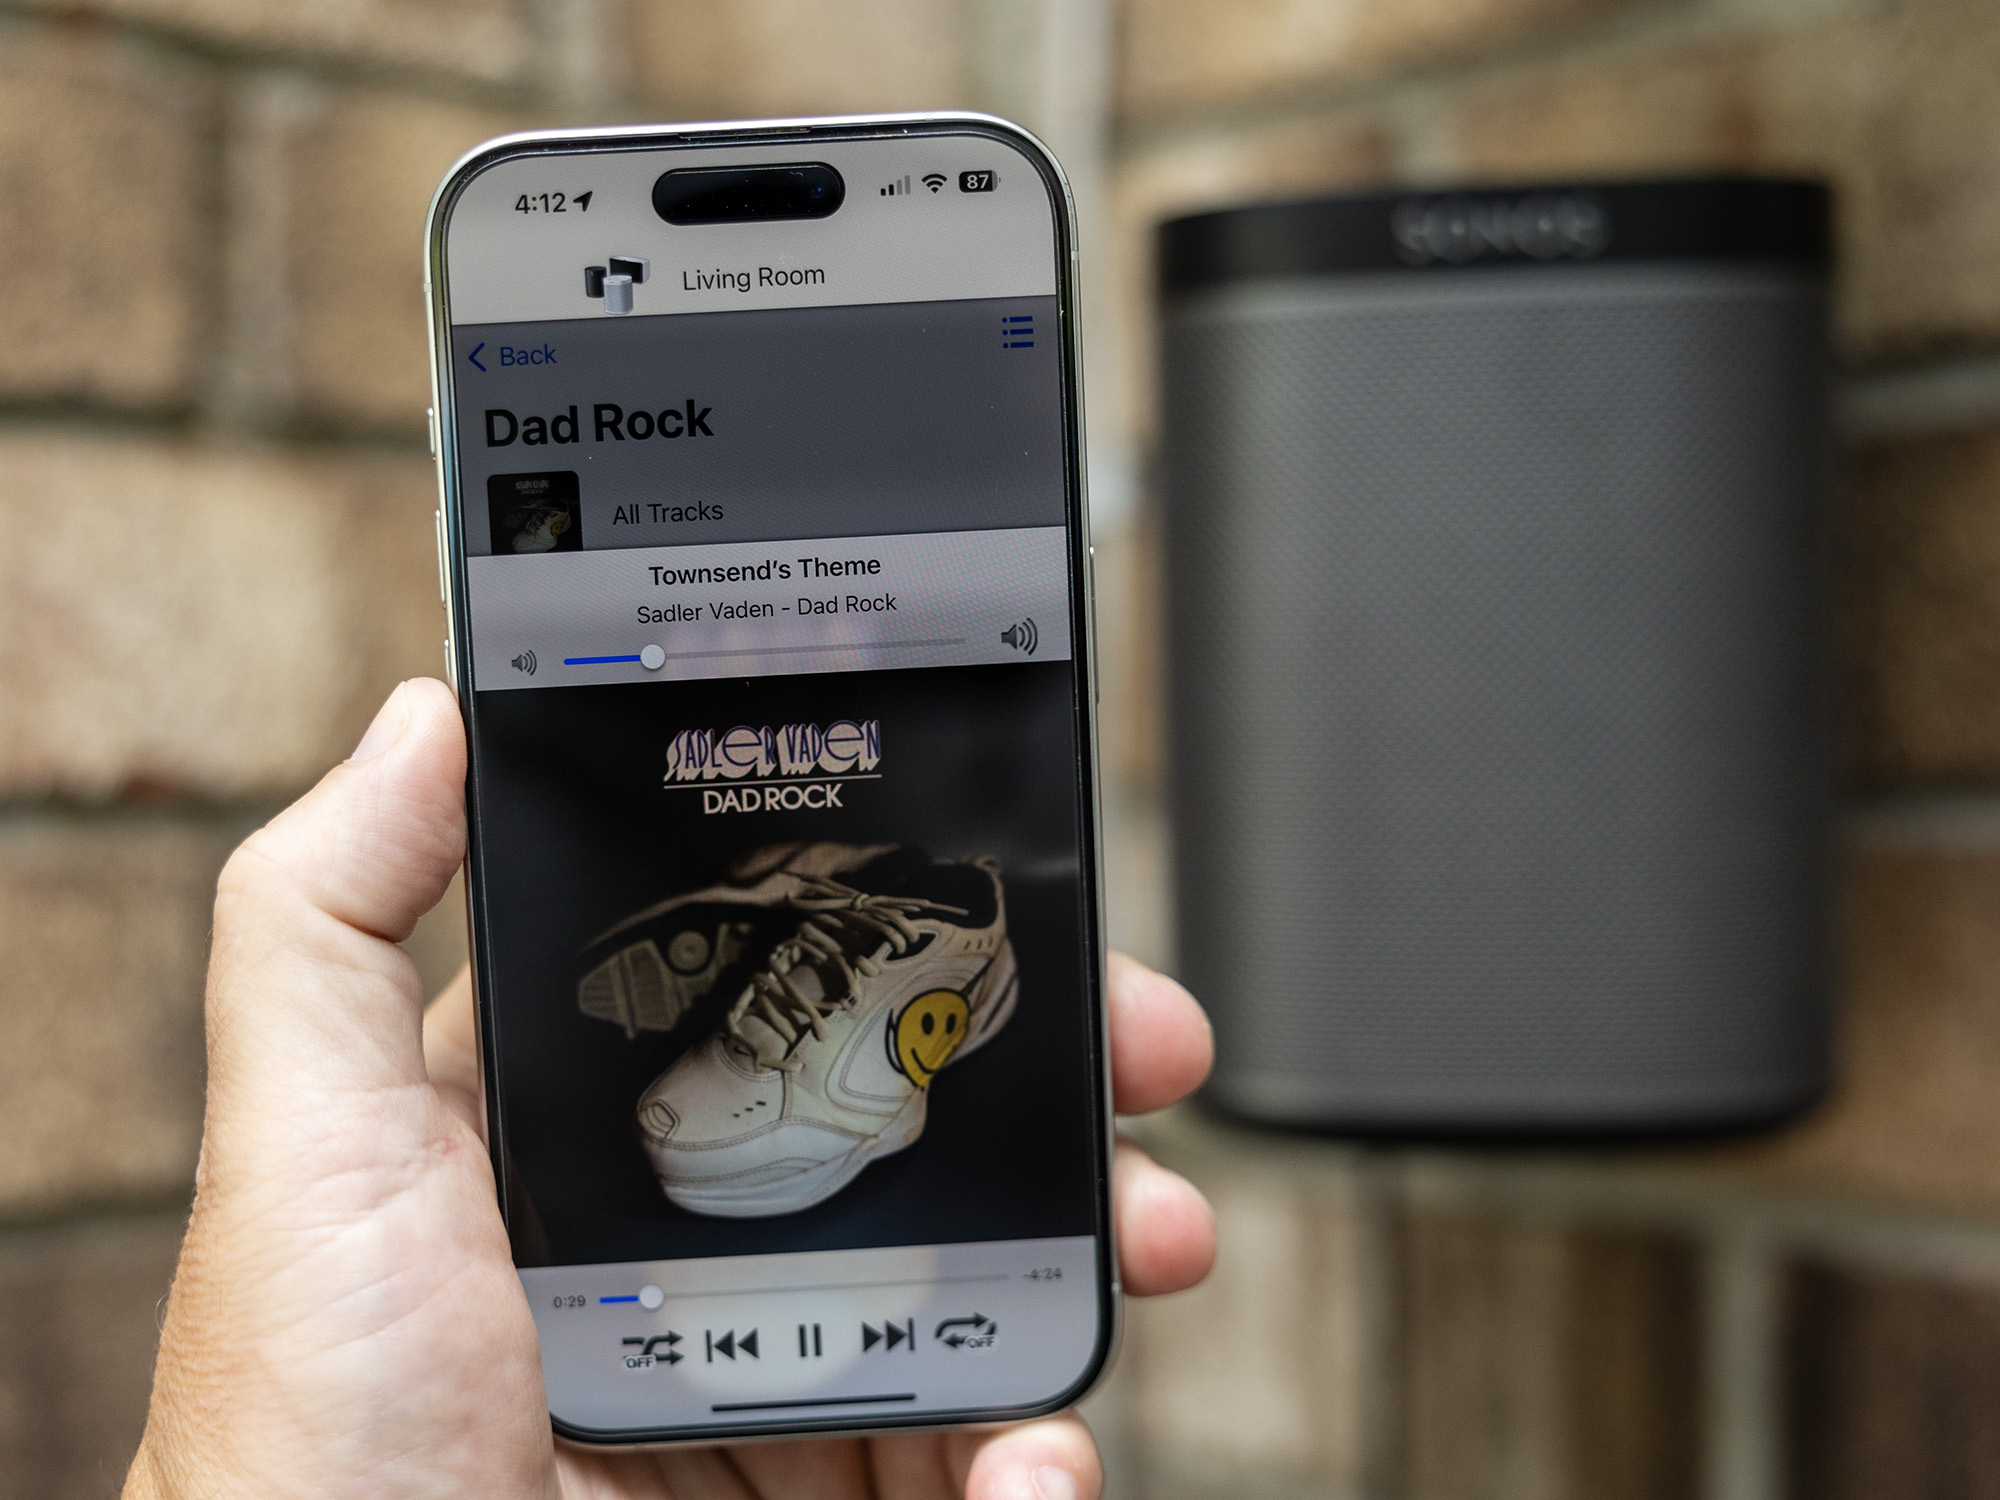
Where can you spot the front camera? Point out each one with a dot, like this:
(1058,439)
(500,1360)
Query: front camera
(738,195)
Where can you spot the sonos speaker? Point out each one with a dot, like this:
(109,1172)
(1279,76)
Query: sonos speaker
(1496,555)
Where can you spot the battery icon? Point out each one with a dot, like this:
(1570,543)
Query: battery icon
(978,182)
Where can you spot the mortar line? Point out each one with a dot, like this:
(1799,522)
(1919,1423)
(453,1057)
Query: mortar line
(1620,1187)
(1384,1365)
(1940,395)
(1943,819)
(1741,1399)
(1655,26)
(429,80)
(235,816)
(1963,1244)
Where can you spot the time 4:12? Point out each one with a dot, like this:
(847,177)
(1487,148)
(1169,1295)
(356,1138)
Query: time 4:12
(551,203)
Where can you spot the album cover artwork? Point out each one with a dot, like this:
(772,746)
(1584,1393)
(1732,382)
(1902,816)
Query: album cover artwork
(535,513)
(789,963)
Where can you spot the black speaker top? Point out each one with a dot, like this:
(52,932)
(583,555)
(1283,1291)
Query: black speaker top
(1759,220)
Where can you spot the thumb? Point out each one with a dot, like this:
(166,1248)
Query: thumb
(306,985)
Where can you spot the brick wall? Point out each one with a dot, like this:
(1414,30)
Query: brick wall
(1813,1313)
(215,540)
(214,559)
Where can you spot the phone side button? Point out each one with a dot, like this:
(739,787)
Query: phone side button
(431,426)
(450,664)
(1090,602)
(443,595)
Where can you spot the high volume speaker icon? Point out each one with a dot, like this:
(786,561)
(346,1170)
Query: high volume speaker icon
(1022,637)
(525,662)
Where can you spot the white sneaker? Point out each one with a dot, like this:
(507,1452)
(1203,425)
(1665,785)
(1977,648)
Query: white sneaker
(825,1060)
(650,970)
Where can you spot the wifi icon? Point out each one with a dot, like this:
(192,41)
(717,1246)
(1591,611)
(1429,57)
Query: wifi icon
(935,181)
(1022,637)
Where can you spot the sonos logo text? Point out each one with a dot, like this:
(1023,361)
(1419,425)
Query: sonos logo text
(785,768)
(1542,226)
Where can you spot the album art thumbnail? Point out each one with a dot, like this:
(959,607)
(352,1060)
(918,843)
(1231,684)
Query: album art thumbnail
(533,513)
(789,963)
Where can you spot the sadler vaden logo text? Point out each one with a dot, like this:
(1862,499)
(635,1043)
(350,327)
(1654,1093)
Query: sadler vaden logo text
(782,769)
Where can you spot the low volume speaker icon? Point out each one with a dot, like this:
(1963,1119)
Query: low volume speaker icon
(525,662)
(1022,637)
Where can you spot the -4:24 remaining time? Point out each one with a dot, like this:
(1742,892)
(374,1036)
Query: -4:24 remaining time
(552,203)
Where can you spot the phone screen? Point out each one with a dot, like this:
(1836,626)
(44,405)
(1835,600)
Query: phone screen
(768,572)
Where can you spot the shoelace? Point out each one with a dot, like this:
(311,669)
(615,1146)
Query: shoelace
(836,912)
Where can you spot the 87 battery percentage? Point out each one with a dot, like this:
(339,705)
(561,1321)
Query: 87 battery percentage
(977,182)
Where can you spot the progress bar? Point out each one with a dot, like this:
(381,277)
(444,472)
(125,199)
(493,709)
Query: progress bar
(843,1286)
(596,661)
(830,1401)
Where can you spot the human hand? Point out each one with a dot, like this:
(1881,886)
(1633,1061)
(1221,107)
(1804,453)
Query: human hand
(346,1319)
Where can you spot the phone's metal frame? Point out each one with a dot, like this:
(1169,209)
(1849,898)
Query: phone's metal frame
(792,136)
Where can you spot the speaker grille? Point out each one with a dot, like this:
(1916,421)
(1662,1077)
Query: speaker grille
(1501,760)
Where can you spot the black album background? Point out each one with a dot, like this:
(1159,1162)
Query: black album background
(575,831)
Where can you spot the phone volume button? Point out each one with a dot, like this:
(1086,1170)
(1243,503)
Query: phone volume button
(444,594)
(1090,603)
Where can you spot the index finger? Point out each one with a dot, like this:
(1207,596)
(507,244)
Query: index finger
(1161,1045)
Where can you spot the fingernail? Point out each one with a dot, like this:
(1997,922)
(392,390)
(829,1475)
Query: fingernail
(1052,1483)
(391,719)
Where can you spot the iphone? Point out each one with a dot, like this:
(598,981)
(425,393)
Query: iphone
(764,550)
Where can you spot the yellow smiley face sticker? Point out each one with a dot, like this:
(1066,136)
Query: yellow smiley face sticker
(927,1033)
